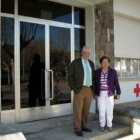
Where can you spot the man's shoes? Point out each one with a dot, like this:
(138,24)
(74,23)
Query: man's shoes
(86,129)
(79,133)
(110,129)
(102,129)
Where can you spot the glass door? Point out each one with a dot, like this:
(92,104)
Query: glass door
(45,53)
(32,70)
(60,57)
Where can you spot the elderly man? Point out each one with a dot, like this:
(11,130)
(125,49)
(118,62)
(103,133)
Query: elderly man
(81,81)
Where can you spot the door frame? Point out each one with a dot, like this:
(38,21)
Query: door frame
(47,111)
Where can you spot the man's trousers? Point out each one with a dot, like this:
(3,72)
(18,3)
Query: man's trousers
(81,106)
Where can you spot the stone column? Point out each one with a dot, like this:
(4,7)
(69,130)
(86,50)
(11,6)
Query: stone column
(104,32)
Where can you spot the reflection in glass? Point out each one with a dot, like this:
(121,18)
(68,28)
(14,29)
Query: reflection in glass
(79,41)
(46,10)
(134,67)
(79,16)
(125,66)
(118,66)
(129,67)
(59,60)
(7,6)
(32,64)
(7,64)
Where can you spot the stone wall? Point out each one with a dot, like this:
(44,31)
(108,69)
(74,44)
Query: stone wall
(104,31)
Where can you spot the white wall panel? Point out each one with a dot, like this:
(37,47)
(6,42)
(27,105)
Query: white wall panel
(127,37)
(127,91)
(129,8)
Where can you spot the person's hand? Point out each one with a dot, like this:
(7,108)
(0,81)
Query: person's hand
(118,97)
(95,97)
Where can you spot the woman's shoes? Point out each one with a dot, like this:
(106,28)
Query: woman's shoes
(102,129)
(110,129)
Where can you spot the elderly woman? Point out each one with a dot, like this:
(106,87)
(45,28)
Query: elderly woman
(106,82)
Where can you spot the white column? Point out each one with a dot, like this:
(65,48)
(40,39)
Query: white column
(90,40)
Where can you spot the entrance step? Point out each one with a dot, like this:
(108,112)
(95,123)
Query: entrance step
(61,128)
(9,133)
(129,137)
(67,133)
(42,125)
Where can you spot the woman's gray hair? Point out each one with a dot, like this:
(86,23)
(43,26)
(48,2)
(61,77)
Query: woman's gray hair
(86,47)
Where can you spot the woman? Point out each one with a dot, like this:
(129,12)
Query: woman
(106,81)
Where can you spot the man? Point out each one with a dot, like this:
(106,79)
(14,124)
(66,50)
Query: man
(81,81)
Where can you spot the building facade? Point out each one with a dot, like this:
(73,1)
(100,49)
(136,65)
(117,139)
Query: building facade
(39,38)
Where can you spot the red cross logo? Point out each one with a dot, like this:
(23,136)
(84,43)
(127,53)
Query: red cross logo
(137,90)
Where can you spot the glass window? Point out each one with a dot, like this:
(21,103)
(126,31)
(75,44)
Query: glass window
(45,10)
(79,41)
(79,16)
(7,64)
(118,66)
(125,67)
(134,68)
(7,6)
(129,68)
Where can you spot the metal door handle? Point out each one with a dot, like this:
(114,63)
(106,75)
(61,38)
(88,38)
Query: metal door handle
(51,71)
(43,82)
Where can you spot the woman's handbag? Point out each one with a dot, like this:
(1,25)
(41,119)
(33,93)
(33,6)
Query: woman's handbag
(115,97)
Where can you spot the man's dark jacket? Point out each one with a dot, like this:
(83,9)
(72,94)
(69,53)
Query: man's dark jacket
(76,75)
(112,82)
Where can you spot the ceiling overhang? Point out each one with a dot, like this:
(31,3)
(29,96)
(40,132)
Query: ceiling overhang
(80,3)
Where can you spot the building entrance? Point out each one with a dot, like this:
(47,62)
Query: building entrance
(45,53)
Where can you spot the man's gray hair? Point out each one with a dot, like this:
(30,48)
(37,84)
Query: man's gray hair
(86,47)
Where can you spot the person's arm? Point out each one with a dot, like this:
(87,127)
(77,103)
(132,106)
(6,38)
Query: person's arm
(95,94)
(93,79)
(71,75)
(117,85)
